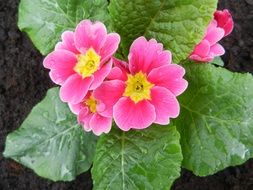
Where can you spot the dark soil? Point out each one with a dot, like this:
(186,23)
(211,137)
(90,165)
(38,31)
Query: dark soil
(24,82)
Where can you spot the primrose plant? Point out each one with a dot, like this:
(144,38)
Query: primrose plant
(141,93)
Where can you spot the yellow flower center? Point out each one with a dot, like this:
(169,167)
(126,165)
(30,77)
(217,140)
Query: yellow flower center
(91,103)
(88,63)
(137,87)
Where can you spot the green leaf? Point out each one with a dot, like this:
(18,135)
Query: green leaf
(218,61)
(178,24)
(50,142)
(45,20)
(216,119)
(143,159)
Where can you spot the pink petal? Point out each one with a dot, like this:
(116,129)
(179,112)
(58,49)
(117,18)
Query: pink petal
(59,76)
(76,108)
(214,35)
(67,42)
(162,57)
(212,25)
(224,20)
(100,75)
(59,46)
(108,94)
(119,71)
(165,103)
(158,46)
(88,34)
(202,49)
(121,64)
(221,17)
(136,57)
(228,28)
(165,58)
(75,89)
(217,50)
(115,73)
(100,124)
(129,115)
(84,118)
(110,46)
(60,59)
(61,63)
(197,58)
(146,55)
(170,77)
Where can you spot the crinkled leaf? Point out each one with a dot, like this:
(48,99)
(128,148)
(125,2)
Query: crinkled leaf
(51,142)
(143,159)
(45,20)
(178,24)
(216,119)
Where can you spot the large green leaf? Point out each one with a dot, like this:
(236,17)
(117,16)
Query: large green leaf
(178,24)
(45,20)
(51,142)
(216,119)
(145,159)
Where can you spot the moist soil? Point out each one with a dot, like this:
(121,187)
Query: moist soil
(24,82)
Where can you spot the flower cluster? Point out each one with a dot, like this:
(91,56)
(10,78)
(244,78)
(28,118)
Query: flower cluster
(79,64)
(135,94)
(100,88)
(221,26)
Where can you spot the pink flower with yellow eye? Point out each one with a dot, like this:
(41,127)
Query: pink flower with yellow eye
(221,26)
(82,60)
(144,91)
(88,115)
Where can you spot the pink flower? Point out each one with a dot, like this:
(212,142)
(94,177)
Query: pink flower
(88,114)
(82,60)
(208,48)
(144,91)
(224,21)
